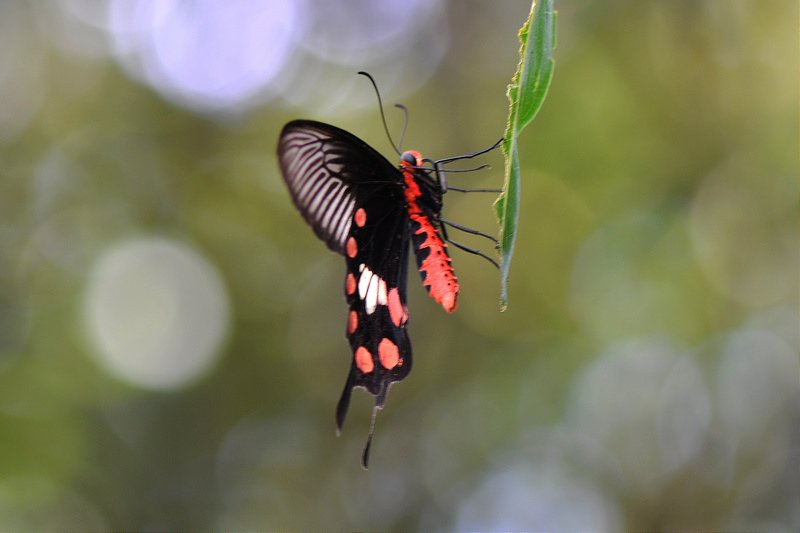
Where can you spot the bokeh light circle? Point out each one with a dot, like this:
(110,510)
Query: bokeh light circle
(756,385)
(205,55)
(225,58)
(518,497)
(640,413)
(380,29)
(156,312)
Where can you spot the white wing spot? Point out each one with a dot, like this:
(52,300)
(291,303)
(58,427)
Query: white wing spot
(382,291)
(371,289)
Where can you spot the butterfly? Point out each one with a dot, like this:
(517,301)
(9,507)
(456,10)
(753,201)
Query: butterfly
(367,210)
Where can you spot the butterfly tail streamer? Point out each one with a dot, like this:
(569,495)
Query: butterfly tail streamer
(368,445)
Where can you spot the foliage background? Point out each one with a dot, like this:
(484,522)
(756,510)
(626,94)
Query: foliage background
(171,334)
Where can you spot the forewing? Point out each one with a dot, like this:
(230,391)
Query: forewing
(329,171)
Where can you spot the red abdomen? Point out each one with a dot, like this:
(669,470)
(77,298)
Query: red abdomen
(433,261)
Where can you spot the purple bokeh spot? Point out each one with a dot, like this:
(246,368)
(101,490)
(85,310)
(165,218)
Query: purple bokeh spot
(206,54)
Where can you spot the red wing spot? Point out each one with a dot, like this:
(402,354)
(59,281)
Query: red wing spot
(396,312)
(388,353)
(350,284)
(360,217)
(352,322)
(352,248)
(364,360)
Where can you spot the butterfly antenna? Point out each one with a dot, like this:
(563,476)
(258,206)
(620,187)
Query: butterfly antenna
(471,155)
(405,124)
(380,106)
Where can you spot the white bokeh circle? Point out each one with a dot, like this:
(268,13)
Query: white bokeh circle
(156,312)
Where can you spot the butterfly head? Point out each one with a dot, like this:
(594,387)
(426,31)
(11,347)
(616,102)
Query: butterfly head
(411,159)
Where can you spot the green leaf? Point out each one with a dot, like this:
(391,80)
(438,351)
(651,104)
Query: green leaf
(526,93)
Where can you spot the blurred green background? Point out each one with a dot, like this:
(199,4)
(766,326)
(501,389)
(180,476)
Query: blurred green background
(172,334)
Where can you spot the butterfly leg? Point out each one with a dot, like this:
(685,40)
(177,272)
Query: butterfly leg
(461,189)
(467,248)
(471,231)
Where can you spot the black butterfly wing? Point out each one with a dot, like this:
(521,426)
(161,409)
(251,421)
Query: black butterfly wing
(317,163)
(353,198)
